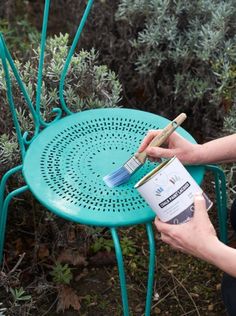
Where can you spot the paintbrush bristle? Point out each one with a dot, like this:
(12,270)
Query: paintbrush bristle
(117,177)
(122,174)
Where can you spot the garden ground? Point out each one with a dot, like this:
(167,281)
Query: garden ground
(67,270)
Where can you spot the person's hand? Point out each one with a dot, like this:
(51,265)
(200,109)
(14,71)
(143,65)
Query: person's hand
(194,237)
(176,145)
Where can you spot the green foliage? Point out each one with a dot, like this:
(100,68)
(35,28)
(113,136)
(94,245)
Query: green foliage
(171,55)
(224,69)
(19,295)
(185,51)
(88,85)
(20,35)
(102,244)
(230,121)
(127,245)
(8,149)
(230,169)
(61,274)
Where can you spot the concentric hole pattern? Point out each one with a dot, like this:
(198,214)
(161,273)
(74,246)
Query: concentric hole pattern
(74,162)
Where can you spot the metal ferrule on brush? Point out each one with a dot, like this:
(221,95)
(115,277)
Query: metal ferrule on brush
(123,174)
(132,164)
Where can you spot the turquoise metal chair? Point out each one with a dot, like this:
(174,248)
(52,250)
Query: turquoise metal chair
(221,200)
(64,162)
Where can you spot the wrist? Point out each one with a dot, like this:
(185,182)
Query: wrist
(204,154)
(220,255)
(210,250)
(197,155)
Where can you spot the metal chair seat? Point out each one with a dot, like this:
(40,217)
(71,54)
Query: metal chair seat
(65,164)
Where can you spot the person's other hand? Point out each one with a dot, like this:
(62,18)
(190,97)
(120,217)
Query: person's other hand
(175,145)
(192,237)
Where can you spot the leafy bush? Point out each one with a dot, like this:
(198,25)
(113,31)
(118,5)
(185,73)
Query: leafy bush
(101,31)
(230,169)
(87,85)
(170,56)
(185,51)
(20,35)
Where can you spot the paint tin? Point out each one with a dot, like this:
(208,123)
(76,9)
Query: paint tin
(169,189)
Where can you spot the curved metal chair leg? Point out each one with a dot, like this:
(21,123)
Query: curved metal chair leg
(121,270)
(3,185)
(3,218)
(151,269)
(220,190)
(4,181)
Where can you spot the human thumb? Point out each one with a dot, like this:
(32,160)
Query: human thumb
(159,152)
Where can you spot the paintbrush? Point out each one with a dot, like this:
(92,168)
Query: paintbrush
(124,173)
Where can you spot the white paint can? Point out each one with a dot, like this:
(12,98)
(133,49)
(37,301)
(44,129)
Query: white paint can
(169,189)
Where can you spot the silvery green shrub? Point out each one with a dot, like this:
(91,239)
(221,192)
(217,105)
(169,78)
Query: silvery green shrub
(185,53)
(230,169)
(88,85)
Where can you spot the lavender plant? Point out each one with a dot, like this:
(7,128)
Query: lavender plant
(230,169)
(88,85)
(185,52)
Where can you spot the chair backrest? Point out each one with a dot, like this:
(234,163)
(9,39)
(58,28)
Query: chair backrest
(34,105)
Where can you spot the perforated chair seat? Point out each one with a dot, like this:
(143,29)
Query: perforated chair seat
(65,164)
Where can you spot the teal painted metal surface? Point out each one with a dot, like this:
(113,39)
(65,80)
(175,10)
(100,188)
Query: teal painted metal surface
(41,57)
(56,111)
(3,206)
(4,180)
(9,95)
(221,200)
(34,107)
(6,59)
(65,165)
(151,269)
(3,217)
(70,55)
(121,270)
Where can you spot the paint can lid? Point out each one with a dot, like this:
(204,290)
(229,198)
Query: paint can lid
(152,173)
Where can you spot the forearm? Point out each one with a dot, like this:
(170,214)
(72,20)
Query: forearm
(221,150)
(221,256)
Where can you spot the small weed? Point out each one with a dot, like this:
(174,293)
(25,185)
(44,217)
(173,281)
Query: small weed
(61,274)
(128,246)
(19,295)
(104,304)
(102,244)
(90,299)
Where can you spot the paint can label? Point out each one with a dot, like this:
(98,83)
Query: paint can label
(169,190)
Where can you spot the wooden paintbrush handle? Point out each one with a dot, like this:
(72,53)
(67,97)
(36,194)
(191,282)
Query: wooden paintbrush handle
(160,139)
